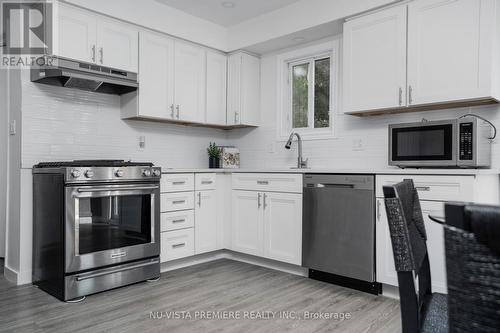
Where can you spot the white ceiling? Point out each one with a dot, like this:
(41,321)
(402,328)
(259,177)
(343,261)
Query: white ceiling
(212,10)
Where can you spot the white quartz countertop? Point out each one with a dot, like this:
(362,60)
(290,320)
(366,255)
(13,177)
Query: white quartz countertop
(388,171)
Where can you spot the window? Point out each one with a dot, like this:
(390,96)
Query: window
(307,91)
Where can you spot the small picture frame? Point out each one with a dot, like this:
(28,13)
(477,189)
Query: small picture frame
(230,158)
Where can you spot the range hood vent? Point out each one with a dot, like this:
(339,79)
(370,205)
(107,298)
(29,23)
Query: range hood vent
(83,76)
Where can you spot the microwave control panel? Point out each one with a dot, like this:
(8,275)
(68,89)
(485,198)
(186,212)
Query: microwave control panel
(465,143)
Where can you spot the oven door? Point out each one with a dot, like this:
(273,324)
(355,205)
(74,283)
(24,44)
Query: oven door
(111,224)
(426,144)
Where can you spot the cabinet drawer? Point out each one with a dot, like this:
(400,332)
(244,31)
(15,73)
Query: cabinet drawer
(441,188)
(204,181)
(177,182)
(276,182)
(177,244)
(177,220)
(170,202)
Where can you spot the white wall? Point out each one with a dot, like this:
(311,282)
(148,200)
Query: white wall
(4,124)
(259,148)
(154,15)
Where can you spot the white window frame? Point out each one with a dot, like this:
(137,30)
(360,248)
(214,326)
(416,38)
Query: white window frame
(284,107)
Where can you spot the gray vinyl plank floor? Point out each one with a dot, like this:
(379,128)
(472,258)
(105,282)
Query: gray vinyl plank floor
(217,289)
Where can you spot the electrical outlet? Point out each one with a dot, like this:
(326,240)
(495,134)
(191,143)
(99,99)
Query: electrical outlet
(142,143)
(357,145)
(12,127)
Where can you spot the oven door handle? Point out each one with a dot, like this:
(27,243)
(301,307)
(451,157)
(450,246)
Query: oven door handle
(116,270)
(114,189)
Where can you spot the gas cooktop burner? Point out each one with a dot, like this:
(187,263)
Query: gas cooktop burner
(92,163)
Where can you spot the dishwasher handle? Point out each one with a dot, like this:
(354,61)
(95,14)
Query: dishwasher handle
(323,185)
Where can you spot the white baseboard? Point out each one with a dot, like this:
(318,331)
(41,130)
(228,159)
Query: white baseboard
(10,274)
(19,278)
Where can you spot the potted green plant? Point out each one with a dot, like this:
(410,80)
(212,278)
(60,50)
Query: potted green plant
(213,155)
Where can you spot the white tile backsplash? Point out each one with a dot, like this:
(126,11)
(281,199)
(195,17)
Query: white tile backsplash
(66,124)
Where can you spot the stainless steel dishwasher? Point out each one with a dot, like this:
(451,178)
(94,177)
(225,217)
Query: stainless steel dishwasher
(338,240)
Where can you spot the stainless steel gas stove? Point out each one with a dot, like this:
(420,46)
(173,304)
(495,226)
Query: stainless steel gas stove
(95,225)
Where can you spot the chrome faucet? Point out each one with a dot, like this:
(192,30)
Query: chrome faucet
(301,163)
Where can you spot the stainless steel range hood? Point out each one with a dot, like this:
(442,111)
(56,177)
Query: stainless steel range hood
(84,76)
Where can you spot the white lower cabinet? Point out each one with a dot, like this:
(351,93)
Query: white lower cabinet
(386,272)
(268,224)
(248,222)
(177,244)
(283,227)
(205,213)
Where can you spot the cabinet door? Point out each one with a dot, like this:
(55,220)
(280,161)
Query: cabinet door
(375,61)
(234,89)
(117,45)
(247,222)
(386,272)
(216,88)
(445,52)
(283,227)
(205,217)
(156,76)
(189,82)
(75,34)
(250,90)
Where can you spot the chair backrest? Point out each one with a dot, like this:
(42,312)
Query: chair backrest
(409,246)
(472,242)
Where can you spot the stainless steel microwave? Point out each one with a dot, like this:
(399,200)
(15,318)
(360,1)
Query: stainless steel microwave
(459,143)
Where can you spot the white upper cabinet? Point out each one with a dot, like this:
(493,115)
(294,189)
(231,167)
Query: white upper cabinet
(117,45)
(447,51)
(156,82)
(74,34)
(216,88)
(189,78)
(375,61)
(445,56)
(88,37)
(243,90)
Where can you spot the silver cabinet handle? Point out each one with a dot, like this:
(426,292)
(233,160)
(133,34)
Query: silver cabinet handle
(265,197)
(400,96)
(179,221)
(206,182)
(172,113)
(178,108)
(378,210)
(93,53)
(262,182)
(175,246)
(101,52)
(410,95)
(177,202)
(236,117)
(258,200)
(422,188)
(199,199)
(179,183)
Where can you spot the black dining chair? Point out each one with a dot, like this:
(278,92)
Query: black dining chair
(472,242)
(421,309)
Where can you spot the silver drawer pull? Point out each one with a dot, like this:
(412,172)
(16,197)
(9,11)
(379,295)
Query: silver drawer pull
(179,183)
(118,255)
(423,188)
(179,221)
(262,182)
(207,182)
(176,246)
(178,202)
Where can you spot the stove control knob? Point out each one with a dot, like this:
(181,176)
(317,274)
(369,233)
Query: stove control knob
(146,173)
(156,173)
(119,173)
(89,173)
(75,173)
